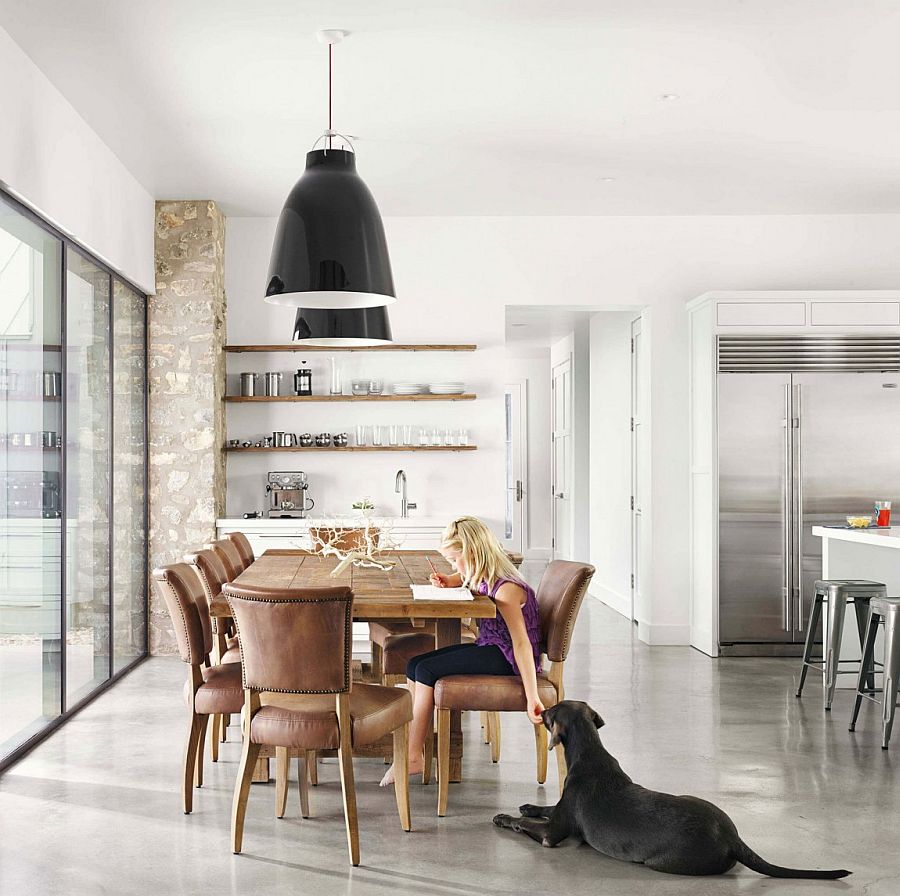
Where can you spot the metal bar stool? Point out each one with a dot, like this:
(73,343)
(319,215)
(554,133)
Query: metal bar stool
(882,610)
(833,595)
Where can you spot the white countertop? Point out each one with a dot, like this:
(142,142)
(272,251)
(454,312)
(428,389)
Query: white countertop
(397,522)
(882,538)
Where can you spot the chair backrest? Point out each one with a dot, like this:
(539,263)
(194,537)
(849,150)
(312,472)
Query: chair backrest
(294,640)
(559,598)
(342,539)
(211,571)
(245,549)
(228,553)
(185,599)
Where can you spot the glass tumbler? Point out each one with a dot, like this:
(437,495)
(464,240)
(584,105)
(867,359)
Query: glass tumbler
(376,387)
(407,434)
(377,435)
(448,437)
(462,437)
(393,435)
(436,437)
(423,436)
(360,435)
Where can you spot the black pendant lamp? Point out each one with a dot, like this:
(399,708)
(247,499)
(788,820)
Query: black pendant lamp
(330,257)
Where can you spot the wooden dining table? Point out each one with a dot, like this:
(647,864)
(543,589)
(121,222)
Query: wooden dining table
(377,595)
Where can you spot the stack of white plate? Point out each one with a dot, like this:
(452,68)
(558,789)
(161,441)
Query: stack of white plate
(410,388)
(446,388)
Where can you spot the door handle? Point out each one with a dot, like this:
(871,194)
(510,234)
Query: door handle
(520,491)
(798,572)
(559,495)
(786,515)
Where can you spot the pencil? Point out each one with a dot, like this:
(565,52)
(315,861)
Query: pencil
(431,565)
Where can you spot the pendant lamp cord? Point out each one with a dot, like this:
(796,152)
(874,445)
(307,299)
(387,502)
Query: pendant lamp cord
(329,96)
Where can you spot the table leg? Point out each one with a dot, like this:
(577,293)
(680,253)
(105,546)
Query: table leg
(447,632)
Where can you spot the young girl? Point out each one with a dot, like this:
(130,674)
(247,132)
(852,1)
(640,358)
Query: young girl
(506,645)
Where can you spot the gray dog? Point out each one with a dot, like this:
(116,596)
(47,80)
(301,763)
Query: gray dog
(605,808)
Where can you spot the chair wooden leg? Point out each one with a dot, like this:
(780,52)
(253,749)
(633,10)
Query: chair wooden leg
(401,774)
(561,769)
(428,754)
(198,755)
(223,728)
(303,776)
(249,755)
(282,773)
(495,736)
(540,747)
(348,788)
(486,725)
(190,753)
(215,723)
(312,762)
(443,747)
(377,661)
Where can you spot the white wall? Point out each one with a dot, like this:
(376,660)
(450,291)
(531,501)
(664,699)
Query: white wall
(55,163)
(455,275)
(610,457)
(533,366)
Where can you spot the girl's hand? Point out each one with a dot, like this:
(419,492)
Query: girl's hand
(535,708)
(438,580)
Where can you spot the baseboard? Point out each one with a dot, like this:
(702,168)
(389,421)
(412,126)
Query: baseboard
(538,554)
(664,635)
(615,601)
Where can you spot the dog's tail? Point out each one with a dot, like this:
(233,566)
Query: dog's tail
(748,857)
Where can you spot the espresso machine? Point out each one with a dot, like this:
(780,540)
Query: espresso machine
(287,495)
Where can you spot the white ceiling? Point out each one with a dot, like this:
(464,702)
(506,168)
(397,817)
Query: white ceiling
(493,107)
(539,326)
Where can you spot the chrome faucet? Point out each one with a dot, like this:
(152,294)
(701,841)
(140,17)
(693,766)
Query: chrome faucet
(400,489)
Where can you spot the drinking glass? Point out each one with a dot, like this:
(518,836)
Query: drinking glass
(448,437)
(377,435)
(423,435)
(361,435)
(435,436)
(462,437)
(393,434)
(376,387)
(407,434)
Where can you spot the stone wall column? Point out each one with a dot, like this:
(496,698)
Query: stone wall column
(187,378)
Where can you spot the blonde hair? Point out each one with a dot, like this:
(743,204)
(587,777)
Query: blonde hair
(483,555)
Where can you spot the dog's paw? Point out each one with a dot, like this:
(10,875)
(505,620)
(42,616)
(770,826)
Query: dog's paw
(503,821)
(531,811)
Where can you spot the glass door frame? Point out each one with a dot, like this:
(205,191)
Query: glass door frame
(66,712)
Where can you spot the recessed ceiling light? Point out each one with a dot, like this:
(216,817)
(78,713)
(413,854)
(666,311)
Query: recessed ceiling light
(518,325)
(606,180)
(669,96)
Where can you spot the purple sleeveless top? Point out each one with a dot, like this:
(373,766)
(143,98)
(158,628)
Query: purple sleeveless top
(495,631)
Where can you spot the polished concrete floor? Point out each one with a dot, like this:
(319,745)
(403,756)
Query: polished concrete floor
(96,808)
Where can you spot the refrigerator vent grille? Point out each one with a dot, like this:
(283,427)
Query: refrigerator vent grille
(785,354)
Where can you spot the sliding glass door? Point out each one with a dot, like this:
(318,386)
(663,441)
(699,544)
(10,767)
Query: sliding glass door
(73,460)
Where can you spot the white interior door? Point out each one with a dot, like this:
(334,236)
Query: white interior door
(515,408)
(637,456)
(561,478)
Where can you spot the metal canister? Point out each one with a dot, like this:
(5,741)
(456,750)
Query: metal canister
(273,383)
(248,384)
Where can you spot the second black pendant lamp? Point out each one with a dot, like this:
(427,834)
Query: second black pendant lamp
(330,257)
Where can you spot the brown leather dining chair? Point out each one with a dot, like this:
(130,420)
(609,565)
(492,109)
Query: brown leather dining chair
(559,597)
(296,658)
(226,550)
(245,549)
(212,574)
(210,689)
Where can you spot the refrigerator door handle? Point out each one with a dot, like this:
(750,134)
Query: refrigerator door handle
(798,478)
(786,515)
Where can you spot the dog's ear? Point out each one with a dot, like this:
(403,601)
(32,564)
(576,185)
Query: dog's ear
(555,732)
(595,718)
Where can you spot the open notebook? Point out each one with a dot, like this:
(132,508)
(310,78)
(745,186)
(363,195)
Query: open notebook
(432,592)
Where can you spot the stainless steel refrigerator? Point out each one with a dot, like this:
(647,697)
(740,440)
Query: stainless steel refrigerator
(808,432)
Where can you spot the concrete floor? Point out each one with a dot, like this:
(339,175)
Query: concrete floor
(96,808)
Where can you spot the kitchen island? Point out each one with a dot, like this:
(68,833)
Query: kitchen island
(872,554)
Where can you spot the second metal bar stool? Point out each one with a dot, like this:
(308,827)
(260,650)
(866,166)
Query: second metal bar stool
(832,596)
(886,610)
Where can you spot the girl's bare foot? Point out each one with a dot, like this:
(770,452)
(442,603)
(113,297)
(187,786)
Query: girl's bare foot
(415,768)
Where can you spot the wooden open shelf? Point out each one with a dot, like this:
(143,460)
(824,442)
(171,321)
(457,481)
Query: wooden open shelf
(426,397)
(362,448)
(392,347)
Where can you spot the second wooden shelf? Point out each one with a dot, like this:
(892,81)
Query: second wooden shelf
(428,397)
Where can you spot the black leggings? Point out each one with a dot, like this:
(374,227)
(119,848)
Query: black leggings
(457,659)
